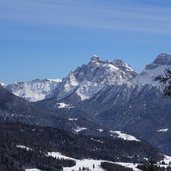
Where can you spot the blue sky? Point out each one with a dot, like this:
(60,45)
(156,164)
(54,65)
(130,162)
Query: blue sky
(49,38)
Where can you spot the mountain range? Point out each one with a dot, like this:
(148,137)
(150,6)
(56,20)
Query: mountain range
(102,98)
(34,90)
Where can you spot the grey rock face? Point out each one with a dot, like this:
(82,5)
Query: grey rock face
(163,59)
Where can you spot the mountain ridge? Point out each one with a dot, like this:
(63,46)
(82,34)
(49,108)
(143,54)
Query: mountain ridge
(111,95)
(34,90)
(137,108)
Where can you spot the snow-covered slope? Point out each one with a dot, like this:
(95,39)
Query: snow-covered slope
(90,163)
(87,163)
(34,90)
(89,79)
(156,68)
(3,84)
(124,136)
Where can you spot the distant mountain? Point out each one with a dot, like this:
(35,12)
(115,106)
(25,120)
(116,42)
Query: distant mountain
(13,108)
(156,68)
(101,110)
(16,109)
(112,95)
(34,90)
(82,84)
(122,99)
(72,131)
(87,80)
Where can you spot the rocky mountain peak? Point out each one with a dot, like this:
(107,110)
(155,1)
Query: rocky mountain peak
(95,58)
(90,78)
(156,68)
(163,59)
(122,65)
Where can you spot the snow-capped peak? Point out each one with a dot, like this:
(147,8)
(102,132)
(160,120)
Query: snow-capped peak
(89,79)
(34,90)
(95,58)
(3,84)
(121,64)
(156,68)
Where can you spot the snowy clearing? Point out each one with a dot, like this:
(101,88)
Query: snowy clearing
(129,165)
(24,147)
(96,140)
(163,130)
(79,163)
(88,163)
(100,130)
(124,136)
(79,129)
(32,170)
(72,119)
(64,105)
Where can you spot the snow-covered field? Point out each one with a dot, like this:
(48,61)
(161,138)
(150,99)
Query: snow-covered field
(129,165)
(32,170)
(163,130)
(95,164)
(64,105)
(79,129)
(24,147)
(88,163)
(123,136)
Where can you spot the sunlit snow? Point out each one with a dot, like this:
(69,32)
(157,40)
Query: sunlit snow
(64,105)
(79,129)
(100,130)
(163,130)
(32,170)
(35,90)
(129,165)
(123,136)
(24,147)
(88,163)
(72,119)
